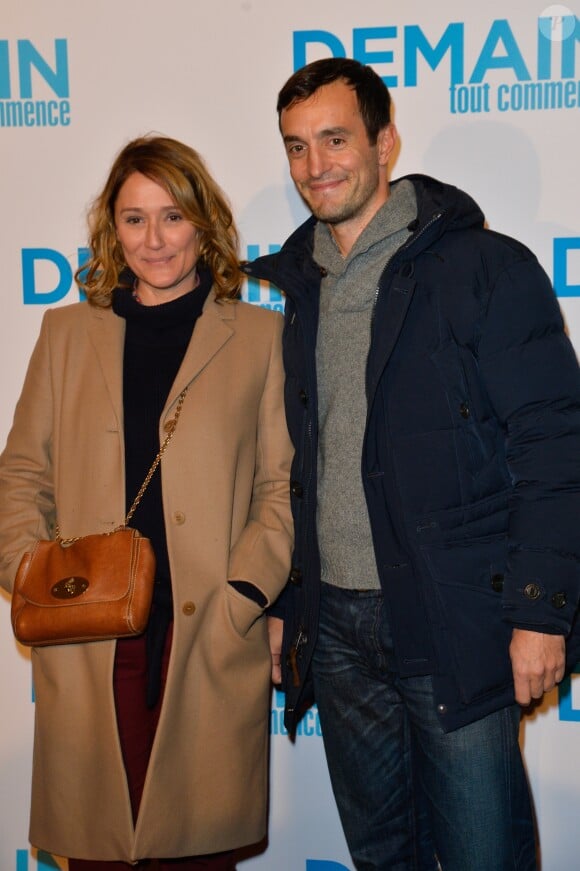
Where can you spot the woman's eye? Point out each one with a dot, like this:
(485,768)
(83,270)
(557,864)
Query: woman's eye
(133,219)
(175,216)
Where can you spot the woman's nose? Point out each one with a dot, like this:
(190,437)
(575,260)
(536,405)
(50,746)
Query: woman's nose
(153,235)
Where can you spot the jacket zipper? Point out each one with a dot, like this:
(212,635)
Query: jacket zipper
(410,241)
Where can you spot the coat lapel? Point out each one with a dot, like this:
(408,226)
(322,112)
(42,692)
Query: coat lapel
(212,330)
(107,334)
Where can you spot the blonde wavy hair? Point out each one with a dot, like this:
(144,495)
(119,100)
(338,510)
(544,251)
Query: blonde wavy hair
(182,173)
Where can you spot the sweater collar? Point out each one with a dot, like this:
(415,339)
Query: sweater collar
(394,216)
(184,309)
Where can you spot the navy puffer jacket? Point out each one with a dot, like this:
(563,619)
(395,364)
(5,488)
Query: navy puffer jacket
(470,460)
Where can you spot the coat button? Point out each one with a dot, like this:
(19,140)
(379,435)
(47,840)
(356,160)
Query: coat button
(559,600)
(497,583)
(296,489)
(441,709)
(188,608)
(464,410)
(179,518)
(532,591)
(323,271)
(295,576)
(303,397)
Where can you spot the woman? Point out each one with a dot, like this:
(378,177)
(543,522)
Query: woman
(156,747)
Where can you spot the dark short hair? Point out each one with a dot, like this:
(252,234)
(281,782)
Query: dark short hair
(374,100)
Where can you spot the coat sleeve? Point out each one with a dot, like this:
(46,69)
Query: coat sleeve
(261,555)
(26,472)
(531,374)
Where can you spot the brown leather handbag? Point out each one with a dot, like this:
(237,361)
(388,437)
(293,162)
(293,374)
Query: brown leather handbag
(89,588)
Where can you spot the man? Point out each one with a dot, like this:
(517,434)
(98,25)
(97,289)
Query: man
(434,405)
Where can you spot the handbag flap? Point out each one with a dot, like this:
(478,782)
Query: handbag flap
(91,569)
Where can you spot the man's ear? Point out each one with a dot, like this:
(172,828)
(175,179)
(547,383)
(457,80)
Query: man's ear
(386,142)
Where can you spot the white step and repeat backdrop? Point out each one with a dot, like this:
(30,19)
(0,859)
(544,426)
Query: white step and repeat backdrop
(486,96)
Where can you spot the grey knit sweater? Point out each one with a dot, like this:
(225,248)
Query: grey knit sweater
(347,297)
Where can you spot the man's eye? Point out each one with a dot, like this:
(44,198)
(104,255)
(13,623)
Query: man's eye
(295,149)
(336,140)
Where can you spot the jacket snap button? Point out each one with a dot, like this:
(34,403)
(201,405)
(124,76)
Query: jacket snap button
(303,397)
(559,600)
(188,608)
(464,410)
(296,489)
(441,709)
(497,583)
(296,576)
(179,518)
(532,591)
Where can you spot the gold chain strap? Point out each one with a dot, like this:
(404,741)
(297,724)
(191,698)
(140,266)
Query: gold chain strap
(66,541)
(157,459)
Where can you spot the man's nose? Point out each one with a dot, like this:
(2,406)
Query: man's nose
(318,162)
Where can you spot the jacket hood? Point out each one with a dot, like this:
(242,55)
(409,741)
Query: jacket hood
(440,208)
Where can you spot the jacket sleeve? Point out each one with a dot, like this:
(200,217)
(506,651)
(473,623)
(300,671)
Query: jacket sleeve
(531,374)
(261,555)
(26,473)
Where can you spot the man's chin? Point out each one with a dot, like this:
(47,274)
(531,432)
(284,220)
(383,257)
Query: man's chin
(328,214)
(332,219)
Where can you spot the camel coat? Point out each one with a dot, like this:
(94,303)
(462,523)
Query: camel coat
(227,515)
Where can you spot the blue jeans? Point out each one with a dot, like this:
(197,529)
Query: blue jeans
(407,791)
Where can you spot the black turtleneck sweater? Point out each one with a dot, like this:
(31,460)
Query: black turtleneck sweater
(156,339)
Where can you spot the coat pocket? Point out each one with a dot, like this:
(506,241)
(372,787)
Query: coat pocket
(242,611)
(473,638)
